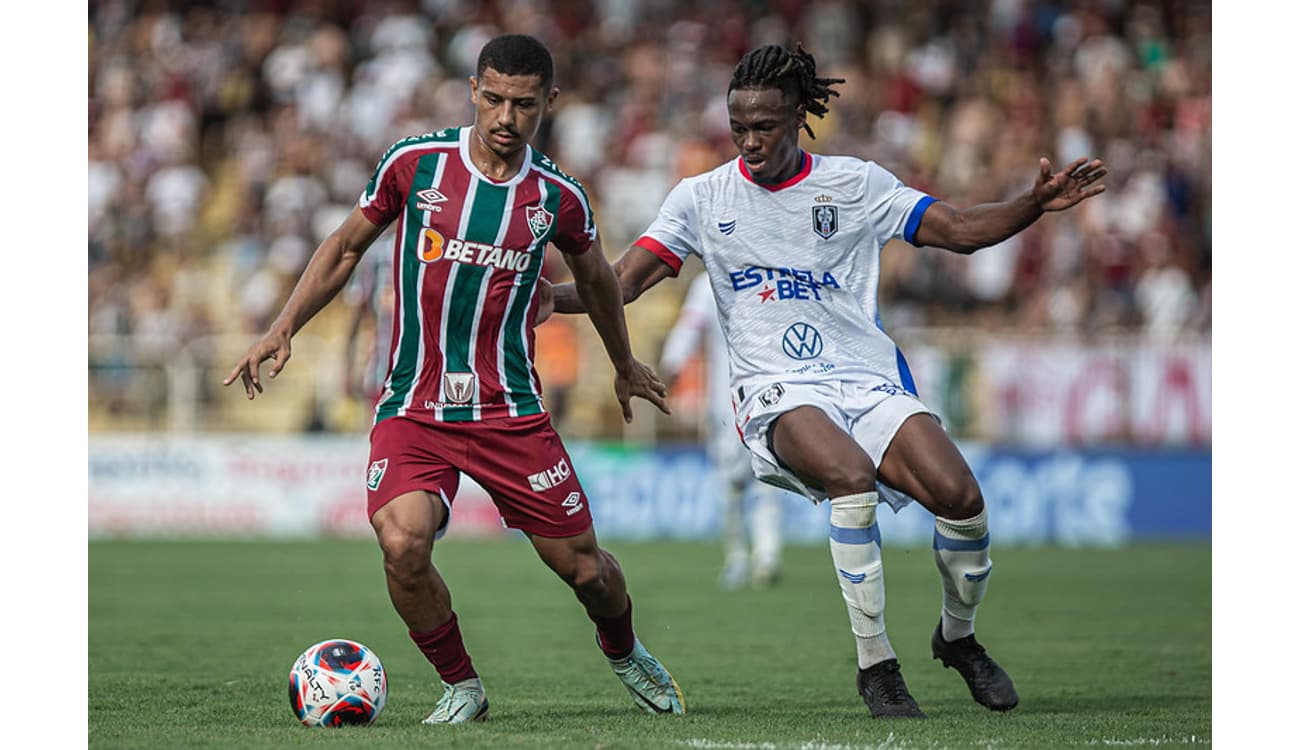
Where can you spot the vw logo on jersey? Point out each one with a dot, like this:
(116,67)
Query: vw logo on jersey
(826,221)
(801,341)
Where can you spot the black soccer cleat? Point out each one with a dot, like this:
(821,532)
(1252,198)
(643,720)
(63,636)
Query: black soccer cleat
(989,683)
(883,690)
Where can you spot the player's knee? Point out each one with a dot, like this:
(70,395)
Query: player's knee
(588,576)
(406,553)
(958,496)
(848,479)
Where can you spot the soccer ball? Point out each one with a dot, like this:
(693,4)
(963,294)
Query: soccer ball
(337,682)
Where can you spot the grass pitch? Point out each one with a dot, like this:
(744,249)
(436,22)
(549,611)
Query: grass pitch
(190,645)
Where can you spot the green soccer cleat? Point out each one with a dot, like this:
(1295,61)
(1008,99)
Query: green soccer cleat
(652,688)
(462,702)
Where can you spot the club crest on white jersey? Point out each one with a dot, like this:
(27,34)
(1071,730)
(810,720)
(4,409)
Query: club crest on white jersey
(826,221)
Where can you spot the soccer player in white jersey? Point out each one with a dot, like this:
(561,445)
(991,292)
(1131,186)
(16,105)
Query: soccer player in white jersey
(791,244)
(751,510)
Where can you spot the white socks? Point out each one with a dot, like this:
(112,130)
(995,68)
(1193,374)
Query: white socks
(961,550)
(855,550)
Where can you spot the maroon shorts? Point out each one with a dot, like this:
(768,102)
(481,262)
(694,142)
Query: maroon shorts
(519,461)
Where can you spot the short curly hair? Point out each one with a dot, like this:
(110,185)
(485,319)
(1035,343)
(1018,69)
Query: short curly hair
(517,55)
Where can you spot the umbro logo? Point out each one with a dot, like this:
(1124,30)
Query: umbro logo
(428,200)
(727,227)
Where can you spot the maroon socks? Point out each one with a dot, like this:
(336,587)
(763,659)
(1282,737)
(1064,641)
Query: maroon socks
(615,633)
(445,650)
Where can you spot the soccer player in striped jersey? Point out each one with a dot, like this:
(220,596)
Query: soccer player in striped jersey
(826,404)
(475,208)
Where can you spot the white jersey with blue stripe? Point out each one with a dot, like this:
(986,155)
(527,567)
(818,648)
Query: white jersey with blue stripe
(794,267)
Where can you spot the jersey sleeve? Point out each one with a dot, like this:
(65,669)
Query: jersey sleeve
(672,235)
(575,231)
(895,210)
(382,200)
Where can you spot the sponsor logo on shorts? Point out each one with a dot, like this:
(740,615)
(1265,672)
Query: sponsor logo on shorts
(573,502)
(459,386)
(727,227)
(376,474)
(891,389)
(801,341)
(771,394)
(552,477)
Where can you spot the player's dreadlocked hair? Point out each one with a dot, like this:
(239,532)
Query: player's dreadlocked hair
(795,73)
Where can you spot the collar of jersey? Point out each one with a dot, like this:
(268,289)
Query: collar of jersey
(465,134)
(803,172)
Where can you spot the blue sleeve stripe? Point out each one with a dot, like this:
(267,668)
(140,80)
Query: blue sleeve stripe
(856,536)
(914,218)
(960,545)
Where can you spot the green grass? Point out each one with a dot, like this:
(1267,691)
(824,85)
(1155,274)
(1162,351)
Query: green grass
(190,645)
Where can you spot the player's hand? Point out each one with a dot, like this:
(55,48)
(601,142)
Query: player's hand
(273,345)
(545,301)
(1077,182)
(639,380)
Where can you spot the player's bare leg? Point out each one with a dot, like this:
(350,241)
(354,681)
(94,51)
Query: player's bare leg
(597,580)
(406,528)
(923,462)
(826,457)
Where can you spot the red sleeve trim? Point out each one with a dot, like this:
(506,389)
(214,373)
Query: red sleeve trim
(647,242)
(373,215)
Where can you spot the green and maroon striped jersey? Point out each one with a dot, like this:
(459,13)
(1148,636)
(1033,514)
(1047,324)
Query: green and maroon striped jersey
(466,262)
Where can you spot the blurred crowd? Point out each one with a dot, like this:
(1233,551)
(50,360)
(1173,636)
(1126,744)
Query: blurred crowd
(226,139)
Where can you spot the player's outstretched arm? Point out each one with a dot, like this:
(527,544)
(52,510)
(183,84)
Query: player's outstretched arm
(967,230)
(638,270)
(325,274)
(597,290)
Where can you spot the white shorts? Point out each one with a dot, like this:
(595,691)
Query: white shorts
(870,410)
